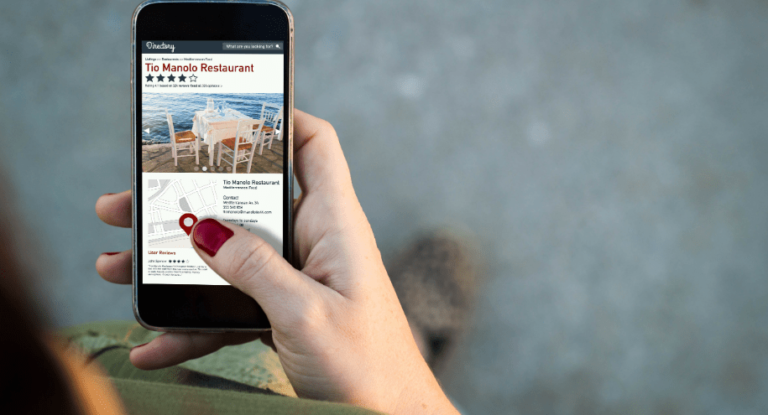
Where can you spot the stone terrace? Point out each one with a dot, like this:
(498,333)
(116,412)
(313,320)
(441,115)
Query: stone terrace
(159,158)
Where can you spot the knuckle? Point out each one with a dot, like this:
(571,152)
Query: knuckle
(249,260)
(311,315)
(327,128)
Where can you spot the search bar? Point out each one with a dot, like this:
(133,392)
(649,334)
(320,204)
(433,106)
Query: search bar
(276,46)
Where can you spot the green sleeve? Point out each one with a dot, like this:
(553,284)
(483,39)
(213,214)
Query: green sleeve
(245,379)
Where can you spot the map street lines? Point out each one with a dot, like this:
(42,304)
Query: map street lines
(168,200)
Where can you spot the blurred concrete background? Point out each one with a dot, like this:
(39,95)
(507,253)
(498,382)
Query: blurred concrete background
(610,156)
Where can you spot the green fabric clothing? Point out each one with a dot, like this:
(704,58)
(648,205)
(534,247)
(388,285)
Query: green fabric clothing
(147,398)
(245,379)
(252,364)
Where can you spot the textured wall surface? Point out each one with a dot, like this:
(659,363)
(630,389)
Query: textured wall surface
(610,157)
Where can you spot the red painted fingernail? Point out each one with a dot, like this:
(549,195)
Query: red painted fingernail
(108,194)
(110,253)
(210,235)
(141,345)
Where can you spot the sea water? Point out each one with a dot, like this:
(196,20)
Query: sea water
(182,108)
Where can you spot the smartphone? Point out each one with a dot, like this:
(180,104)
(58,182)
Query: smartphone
(212,107)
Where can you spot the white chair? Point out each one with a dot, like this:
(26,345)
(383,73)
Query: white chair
(181,140)
(240,147)
(273,118)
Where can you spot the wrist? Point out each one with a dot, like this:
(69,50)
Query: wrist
(438,404)
(424,397)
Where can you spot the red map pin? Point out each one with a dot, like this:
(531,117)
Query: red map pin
(192,218)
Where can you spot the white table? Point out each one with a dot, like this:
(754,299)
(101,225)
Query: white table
(206,122)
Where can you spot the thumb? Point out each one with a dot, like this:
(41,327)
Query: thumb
(253,266)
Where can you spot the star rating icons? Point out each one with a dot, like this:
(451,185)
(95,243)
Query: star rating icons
(171,78)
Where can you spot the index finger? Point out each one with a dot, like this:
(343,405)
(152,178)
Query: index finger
(318,159)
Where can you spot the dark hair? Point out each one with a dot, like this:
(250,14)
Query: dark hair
(33,381)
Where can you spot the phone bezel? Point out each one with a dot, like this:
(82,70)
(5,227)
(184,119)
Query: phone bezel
(206,308)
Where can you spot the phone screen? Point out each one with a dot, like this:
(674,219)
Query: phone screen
(213,129)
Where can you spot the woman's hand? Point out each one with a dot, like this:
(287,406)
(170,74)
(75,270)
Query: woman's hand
(337,324)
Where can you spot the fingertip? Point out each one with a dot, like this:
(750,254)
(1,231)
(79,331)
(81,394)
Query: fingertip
(209,235)
(136,356)
(103,200)
(115,208)
(115,267)
(99,207)
(155,354)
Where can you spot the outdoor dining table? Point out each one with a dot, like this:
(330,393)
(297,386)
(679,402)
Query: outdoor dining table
(206,122)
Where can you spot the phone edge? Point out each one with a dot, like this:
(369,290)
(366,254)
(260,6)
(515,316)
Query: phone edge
(287,247)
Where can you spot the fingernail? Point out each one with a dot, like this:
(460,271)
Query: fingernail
(110,253)
(108,194)
(141,345)
(210,235)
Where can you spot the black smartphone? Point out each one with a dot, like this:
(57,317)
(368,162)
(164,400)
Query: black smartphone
(212,100)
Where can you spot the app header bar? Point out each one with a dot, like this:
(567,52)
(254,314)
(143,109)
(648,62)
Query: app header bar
(211,46)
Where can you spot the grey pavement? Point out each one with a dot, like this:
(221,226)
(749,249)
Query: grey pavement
(609,156)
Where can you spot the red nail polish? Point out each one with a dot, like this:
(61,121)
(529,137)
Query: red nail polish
(210,235)
(108,194)
(110,253)
(141,345)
